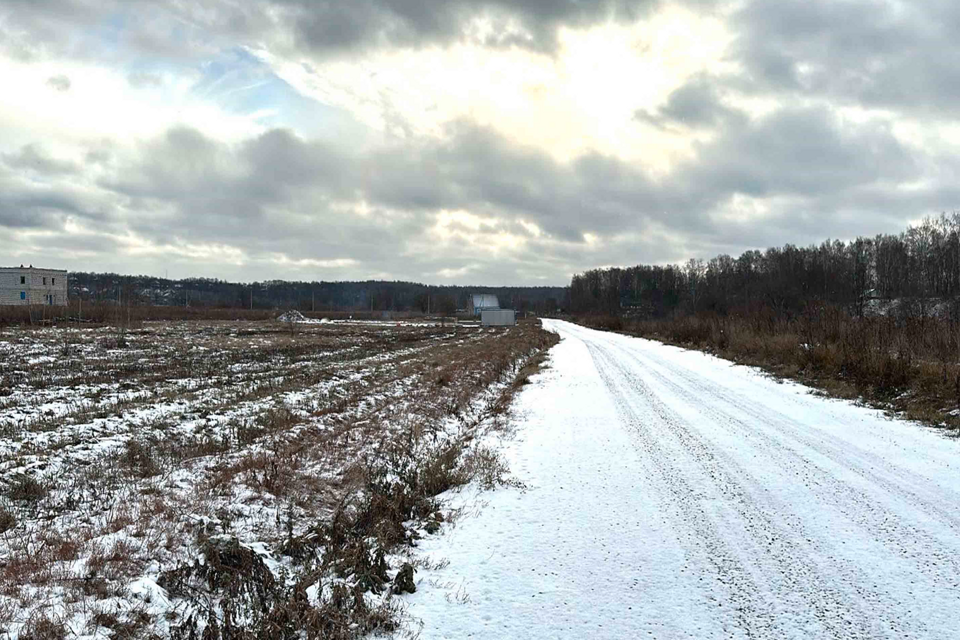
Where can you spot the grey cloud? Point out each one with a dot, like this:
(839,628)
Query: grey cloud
(279,193)
(14,215)
(863,52)
(695,104)
(144,79)
(175,29)
(818,174)
(23,206)
(98,156)
(285,193)
(413,22)
(801,151)
(180,163)
(31,157)
(478,170)
(871,52)
(281,158)
(59,82)
(224,194)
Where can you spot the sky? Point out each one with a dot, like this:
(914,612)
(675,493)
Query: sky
(499,142)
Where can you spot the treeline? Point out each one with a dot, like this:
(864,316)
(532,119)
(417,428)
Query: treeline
(876,319)
(369,296)
(918,265)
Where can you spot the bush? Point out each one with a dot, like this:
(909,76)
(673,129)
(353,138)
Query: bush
(24,488)
(140,458)
(7,521)
(877,358)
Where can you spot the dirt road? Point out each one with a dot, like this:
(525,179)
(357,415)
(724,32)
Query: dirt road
(674,495)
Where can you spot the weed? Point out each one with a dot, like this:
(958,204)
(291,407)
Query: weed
(140,458)
(41,627)
(24,488)
(7,520)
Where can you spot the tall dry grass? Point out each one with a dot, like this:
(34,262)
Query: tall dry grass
(906,363)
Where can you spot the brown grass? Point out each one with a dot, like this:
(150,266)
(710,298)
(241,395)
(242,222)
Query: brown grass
(909,366)
(109,313)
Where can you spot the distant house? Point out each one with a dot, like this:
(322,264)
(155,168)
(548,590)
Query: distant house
(31,286)
(481,301)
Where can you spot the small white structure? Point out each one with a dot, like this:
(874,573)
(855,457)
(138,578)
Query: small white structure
(30,286)
(481,301)
(498,317)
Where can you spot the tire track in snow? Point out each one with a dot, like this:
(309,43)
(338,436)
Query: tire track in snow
(750,614)
(922,492)
(907,540)
(778,552)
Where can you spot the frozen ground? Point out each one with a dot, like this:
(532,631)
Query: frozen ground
(671,494)
(128,458)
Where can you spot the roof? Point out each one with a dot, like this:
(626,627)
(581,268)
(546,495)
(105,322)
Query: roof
(485,301)
(31,267)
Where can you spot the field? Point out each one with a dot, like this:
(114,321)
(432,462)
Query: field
(237,479)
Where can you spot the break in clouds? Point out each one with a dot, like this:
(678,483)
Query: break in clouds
(483,142)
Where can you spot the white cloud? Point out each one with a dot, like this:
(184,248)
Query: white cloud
(103,103)
(583,99)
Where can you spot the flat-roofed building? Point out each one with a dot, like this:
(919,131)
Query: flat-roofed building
(30,285)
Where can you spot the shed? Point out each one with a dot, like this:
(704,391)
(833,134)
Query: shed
(498,318)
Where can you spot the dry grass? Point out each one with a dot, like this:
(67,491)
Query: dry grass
(123,315)
(909,366)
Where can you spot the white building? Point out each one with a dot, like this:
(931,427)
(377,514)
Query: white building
(28,285)
(481,301)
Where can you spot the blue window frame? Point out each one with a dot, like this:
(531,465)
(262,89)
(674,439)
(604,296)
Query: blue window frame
(23,295)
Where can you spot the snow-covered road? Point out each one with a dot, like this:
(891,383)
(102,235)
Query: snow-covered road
(674,495)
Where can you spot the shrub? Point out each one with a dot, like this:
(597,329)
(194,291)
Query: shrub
(7,520)
(24,488)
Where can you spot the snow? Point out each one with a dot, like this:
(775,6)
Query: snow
(68,419)
(295,317)
(671,494)
(149,591)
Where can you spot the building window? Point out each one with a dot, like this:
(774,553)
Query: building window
(44,281)
(23,279)
(23,295)
(53,281)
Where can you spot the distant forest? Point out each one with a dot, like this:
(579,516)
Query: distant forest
(112,288)
(916,266)
(875,319)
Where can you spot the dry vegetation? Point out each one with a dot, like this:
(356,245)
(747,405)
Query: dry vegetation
(905,362)
(78,312)
(236,479)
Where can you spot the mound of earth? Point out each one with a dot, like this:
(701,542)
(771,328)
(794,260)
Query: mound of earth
(292,316)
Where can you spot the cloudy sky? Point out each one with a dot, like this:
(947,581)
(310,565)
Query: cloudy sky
(465,141)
